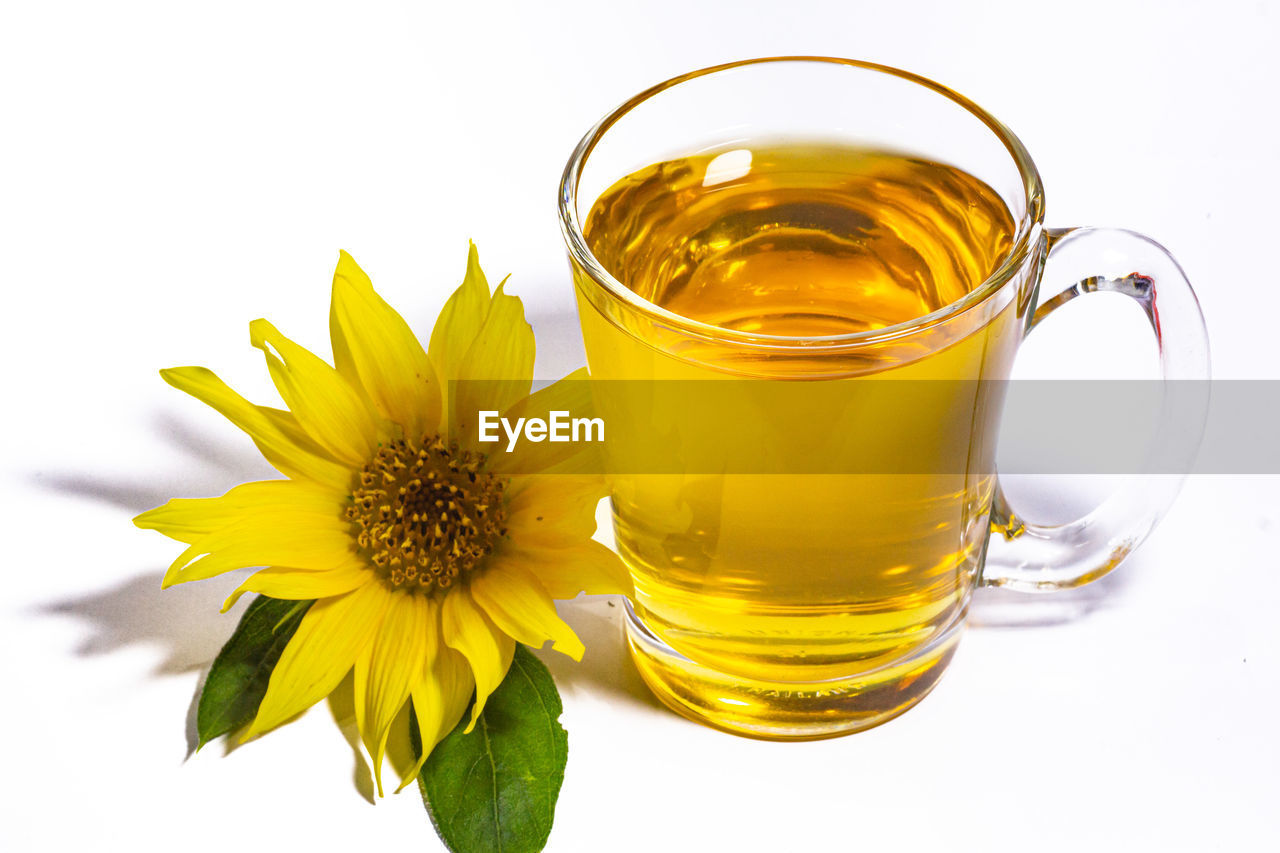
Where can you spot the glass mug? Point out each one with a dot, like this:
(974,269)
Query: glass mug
(800,606)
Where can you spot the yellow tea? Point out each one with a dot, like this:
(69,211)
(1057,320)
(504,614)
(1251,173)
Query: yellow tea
(795,584)
(800,240)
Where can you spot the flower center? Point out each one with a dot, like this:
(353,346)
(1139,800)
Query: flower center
(425,514)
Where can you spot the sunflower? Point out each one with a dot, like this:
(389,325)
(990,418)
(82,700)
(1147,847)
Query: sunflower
(428,558)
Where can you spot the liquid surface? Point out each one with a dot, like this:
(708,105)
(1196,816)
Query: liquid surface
(800,240)
(770,583)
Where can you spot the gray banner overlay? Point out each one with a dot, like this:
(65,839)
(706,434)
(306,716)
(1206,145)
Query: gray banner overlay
(870,426)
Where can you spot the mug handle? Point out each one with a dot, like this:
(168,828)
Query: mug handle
(1032,557)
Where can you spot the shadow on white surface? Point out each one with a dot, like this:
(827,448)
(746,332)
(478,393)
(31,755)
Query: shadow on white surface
(342,708)
(133,496)
(215,468)
(1005,608)
(1055,500)
(606,669)
(240,460)
(184,623)
(559,338)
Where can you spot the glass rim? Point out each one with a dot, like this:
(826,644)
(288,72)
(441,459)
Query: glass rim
(1010,264)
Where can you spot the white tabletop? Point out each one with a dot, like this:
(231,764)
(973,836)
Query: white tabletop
(170,171)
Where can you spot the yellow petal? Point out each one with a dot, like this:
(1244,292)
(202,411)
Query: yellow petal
(277,446)
(571,394)
(497,370)
(323,650)
(302,585)
(328,409)
(288,424)
(588,567)
(440,697)
(374,349)
(553,510)
(487,649)
(387,668)
(289,538)
(460,320)
(521,607)
(189,519)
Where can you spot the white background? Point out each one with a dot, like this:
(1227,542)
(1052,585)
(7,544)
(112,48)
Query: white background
(169,171)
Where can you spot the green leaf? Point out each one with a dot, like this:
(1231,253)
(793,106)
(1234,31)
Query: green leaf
(495,789)
(238,679)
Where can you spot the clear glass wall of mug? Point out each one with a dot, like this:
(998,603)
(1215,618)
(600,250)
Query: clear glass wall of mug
(831,224)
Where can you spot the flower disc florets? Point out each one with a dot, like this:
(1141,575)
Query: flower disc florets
(425,513)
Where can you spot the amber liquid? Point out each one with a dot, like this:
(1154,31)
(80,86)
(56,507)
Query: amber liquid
(794,580)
